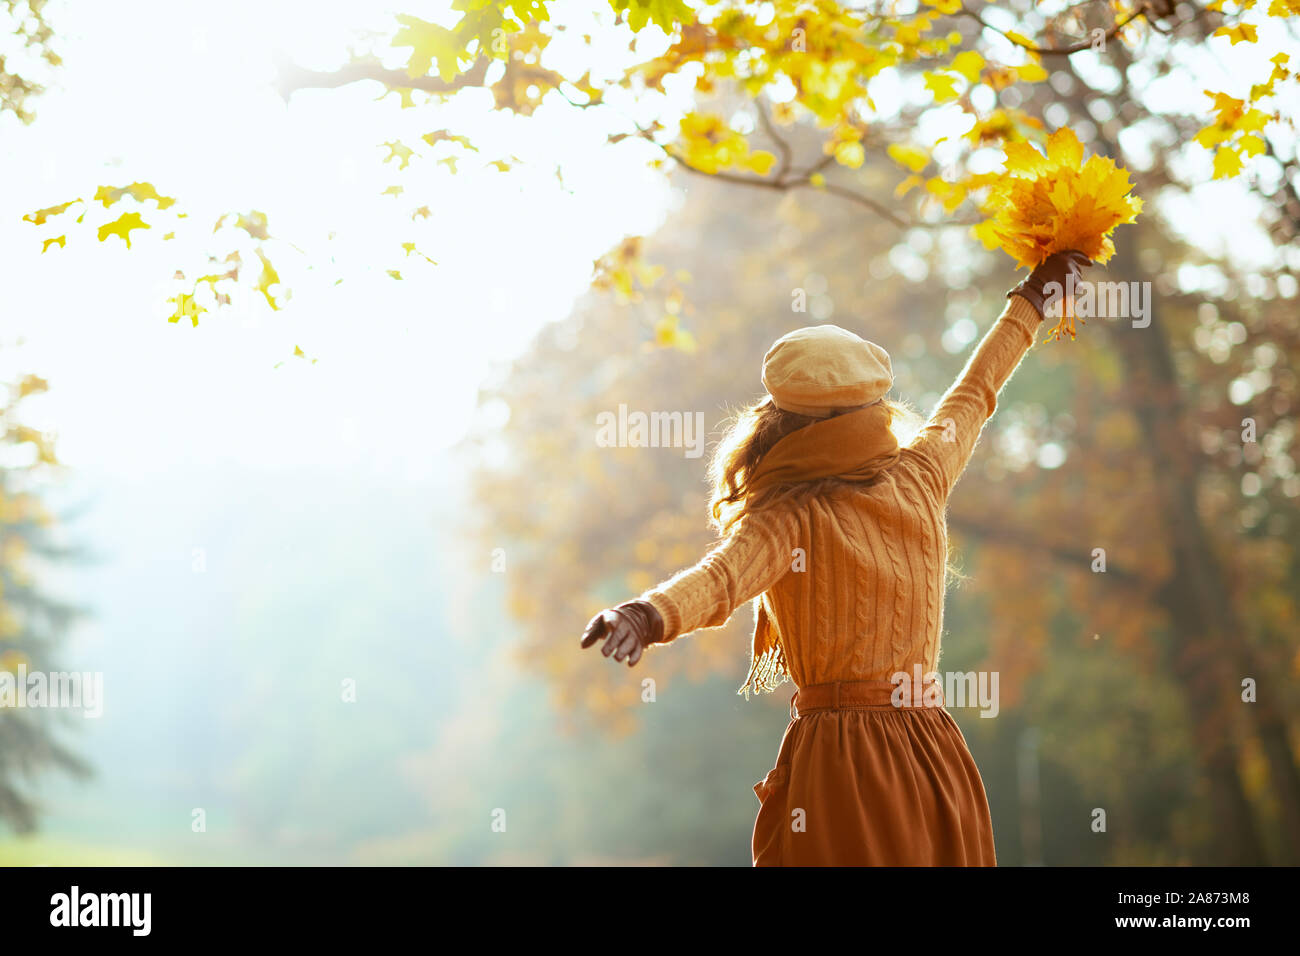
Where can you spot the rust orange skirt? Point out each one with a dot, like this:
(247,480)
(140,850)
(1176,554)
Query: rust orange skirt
(860,782)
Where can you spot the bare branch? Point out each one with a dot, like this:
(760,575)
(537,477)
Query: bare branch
(292,77)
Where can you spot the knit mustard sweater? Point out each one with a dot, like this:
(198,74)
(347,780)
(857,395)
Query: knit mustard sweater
(850,582)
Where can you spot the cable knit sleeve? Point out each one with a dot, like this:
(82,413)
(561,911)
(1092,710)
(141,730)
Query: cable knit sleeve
(948,439)
(758,553)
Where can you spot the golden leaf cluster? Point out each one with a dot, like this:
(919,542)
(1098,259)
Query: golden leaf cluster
(1056,202)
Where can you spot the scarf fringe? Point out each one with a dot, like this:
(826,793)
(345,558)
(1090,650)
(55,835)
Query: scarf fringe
(766,672)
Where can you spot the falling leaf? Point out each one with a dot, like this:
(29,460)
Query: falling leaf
(61,241)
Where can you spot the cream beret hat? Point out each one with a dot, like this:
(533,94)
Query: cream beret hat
(815,370)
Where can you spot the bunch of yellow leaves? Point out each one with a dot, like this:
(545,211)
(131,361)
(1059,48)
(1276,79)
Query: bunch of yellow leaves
(1054,203)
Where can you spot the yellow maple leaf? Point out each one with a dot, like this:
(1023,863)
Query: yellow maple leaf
(137,191)
(760,161)
(709,144)
(943,86)
(268,278)
(1227,162)
(1030,73)
(1241,33)
(850,154)
(39,216)
(1253,145)
(951,195)
(122,227)
(400,152)
(913,157)
(429,43)
(187,307)
(968,63)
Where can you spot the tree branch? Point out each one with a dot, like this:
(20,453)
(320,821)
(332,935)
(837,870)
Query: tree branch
(1141,11)
(781,145)
(292,77)
(1015,537)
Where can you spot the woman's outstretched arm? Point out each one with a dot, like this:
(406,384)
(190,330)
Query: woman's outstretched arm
(947,440)
(757,554)
(753,557)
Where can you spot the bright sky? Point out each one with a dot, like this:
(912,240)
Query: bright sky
(178,94)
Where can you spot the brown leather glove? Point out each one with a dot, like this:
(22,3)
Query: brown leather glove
(628,630)
(1055,268)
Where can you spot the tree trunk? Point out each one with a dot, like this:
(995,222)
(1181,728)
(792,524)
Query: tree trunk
(1206,641)
(1201,651)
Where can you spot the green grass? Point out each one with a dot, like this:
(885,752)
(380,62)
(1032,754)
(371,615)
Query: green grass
(46,851)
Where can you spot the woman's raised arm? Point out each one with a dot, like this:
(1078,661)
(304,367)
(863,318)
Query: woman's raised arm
(947,440)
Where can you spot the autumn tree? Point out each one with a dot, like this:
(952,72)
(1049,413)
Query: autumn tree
(33,622)
(905,114)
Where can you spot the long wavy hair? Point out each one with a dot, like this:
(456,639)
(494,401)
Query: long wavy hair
(750,435)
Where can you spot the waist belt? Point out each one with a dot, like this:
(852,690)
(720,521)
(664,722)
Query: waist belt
(864,695)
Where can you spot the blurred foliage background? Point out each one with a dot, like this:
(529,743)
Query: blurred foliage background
(225,606)
(1114,686)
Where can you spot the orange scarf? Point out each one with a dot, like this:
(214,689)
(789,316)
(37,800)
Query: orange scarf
(856,446)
